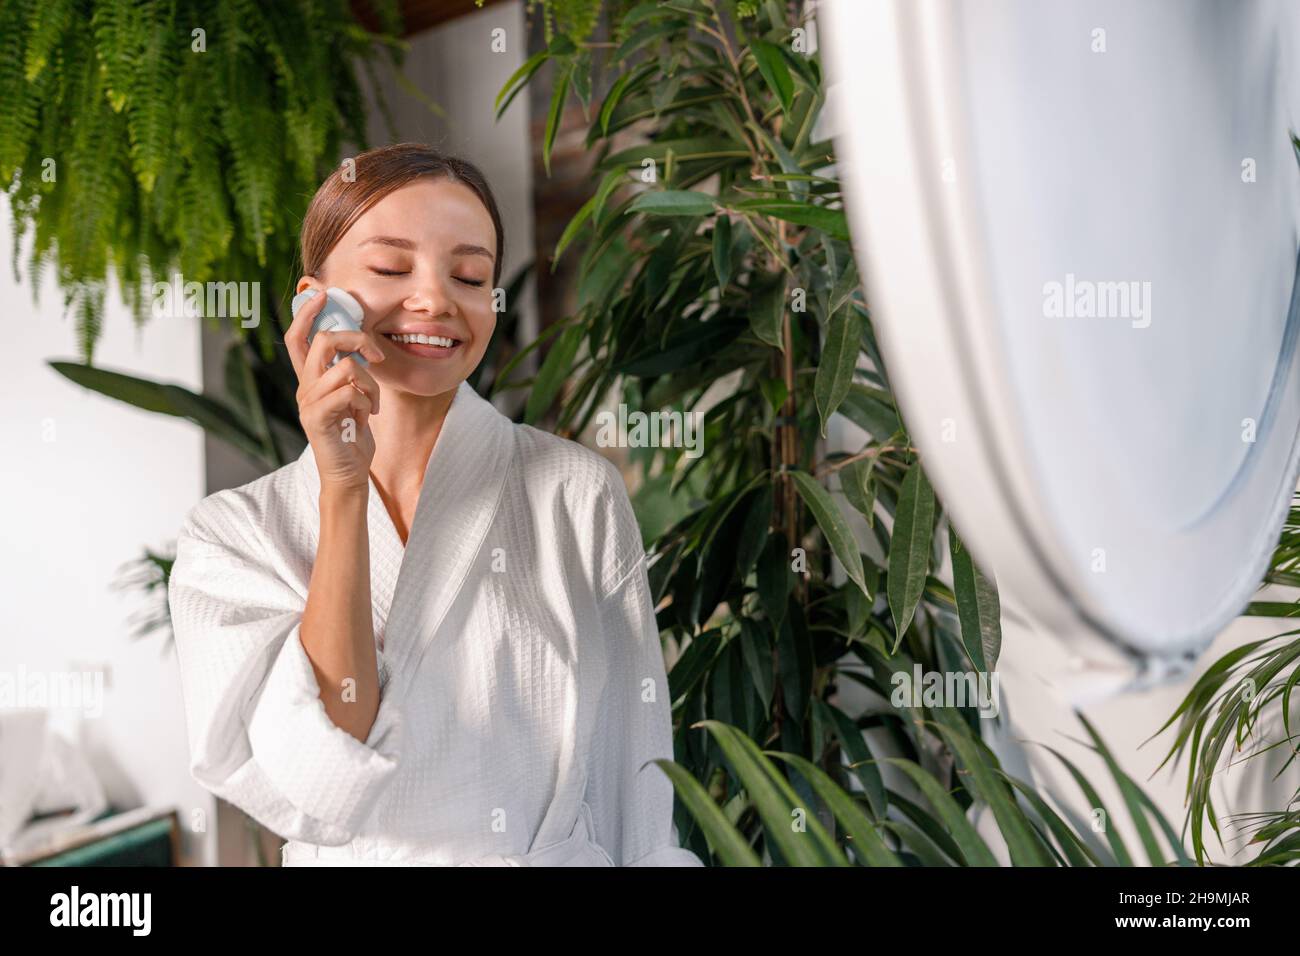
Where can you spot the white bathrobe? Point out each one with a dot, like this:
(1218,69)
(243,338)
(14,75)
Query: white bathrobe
(521,675)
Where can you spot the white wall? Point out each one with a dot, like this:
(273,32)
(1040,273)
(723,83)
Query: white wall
(109,482)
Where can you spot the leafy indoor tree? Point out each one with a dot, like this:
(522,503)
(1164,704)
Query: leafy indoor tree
(717,276)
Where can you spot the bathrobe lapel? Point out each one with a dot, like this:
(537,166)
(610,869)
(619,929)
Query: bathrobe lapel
(412,587)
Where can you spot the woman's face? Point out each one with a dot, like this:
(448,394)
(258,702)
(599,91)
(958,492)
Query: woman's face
(420,262)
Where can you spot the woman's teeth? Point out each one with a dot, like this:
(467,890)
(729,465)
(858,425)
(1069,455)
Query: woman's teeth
(421,339)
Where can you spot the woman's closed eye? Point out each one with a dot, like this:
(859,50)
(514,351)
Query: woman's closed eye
(402,272)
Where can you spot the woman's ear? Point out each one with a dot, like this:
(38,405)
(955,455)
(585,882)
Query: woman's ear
(308,282)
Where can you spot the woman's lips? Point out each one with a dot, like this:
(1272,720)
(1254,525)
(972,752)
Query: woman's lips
(435,347)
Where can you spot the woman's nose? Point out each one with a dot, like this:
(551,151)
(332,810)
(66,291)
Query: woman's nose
(432,295)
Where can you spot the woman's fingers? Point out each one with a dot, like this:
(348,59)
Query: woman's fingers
(340,377)
(331,410)
(295,337)
(326,344)
(345,399)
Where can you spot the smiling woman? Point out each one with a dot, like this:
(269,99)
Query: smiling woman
(416,237)
(485,689)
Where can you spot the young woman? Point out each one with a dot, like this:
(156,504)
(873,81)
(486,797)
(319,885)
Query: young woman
(430,639)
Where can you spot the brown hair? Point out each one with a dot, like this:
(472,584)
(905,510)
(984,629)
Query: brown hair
(338,203)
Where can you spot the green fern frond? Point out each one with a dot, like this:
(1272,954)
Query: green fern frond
(46,25)
(126,152)
(151,101)
(20,116)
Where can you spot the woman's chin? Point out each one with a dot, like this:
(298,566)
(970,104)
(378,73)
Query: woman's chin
(425,382)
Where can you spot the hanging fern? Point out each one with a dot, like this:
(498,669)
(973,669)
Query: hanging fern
(146,138)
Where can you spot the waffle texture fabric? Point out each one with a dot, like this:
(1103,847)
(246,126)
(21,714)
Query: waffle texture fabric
(522,683)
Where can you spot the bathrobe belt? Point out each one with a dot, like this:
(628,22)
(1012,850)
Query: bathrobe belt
(579,848)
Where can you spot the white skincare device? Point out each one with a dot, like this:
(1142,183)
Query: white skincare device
(341,312)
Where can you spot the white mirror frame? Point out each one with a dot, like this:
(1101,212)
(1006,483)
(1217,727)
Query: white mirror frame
(926,240)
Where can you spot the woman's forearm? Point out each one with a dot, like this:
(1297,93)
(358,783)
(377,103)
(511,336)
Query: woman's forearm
(337,630)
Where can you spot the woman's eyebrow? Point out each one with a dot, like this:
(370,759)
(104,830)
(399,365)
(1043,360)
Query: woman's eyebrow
(462,249)
(390,241)
(468,249)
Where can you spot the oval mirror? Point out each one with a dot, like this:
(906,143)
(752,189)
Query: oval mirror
(1078,226)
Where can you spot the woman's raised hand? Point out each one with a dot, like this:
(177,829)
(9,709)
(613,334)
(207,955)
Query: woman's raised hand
(335,404)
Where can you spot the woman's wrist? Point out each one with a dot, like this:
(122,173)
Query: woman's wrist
(344,500)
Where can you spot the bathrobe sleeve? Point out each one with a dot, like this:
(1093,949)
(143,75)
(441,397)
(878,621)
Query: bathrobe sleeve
(259,734)
(630,797)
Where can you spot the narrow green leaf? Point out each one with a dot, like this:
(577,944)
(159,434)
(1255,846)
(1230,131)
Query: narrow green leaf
(973,848)
(1117,847)
(722,250)
(571,230)
(837,531)
(753,535)
(772,65)
(556,111)
(673,202)
(615,94)
(858,606)
(928,826)
(845,286)
(695,662)
(518,80)
(858,487)
(855,748)
(978,607)
(872,414)
(866,841)
(1131,795)
(775,578)
(756,649)
(838,362)
(795,663)
(767,312)
(776,801)
(689,149)
(727,843)
(909,550)
(926,850)
(555,369)
(830,221)
(1023,841)
(1076,851)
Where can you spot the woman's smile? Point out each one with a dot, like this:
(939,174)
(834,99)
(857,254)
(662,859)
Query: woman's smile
(424,345)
